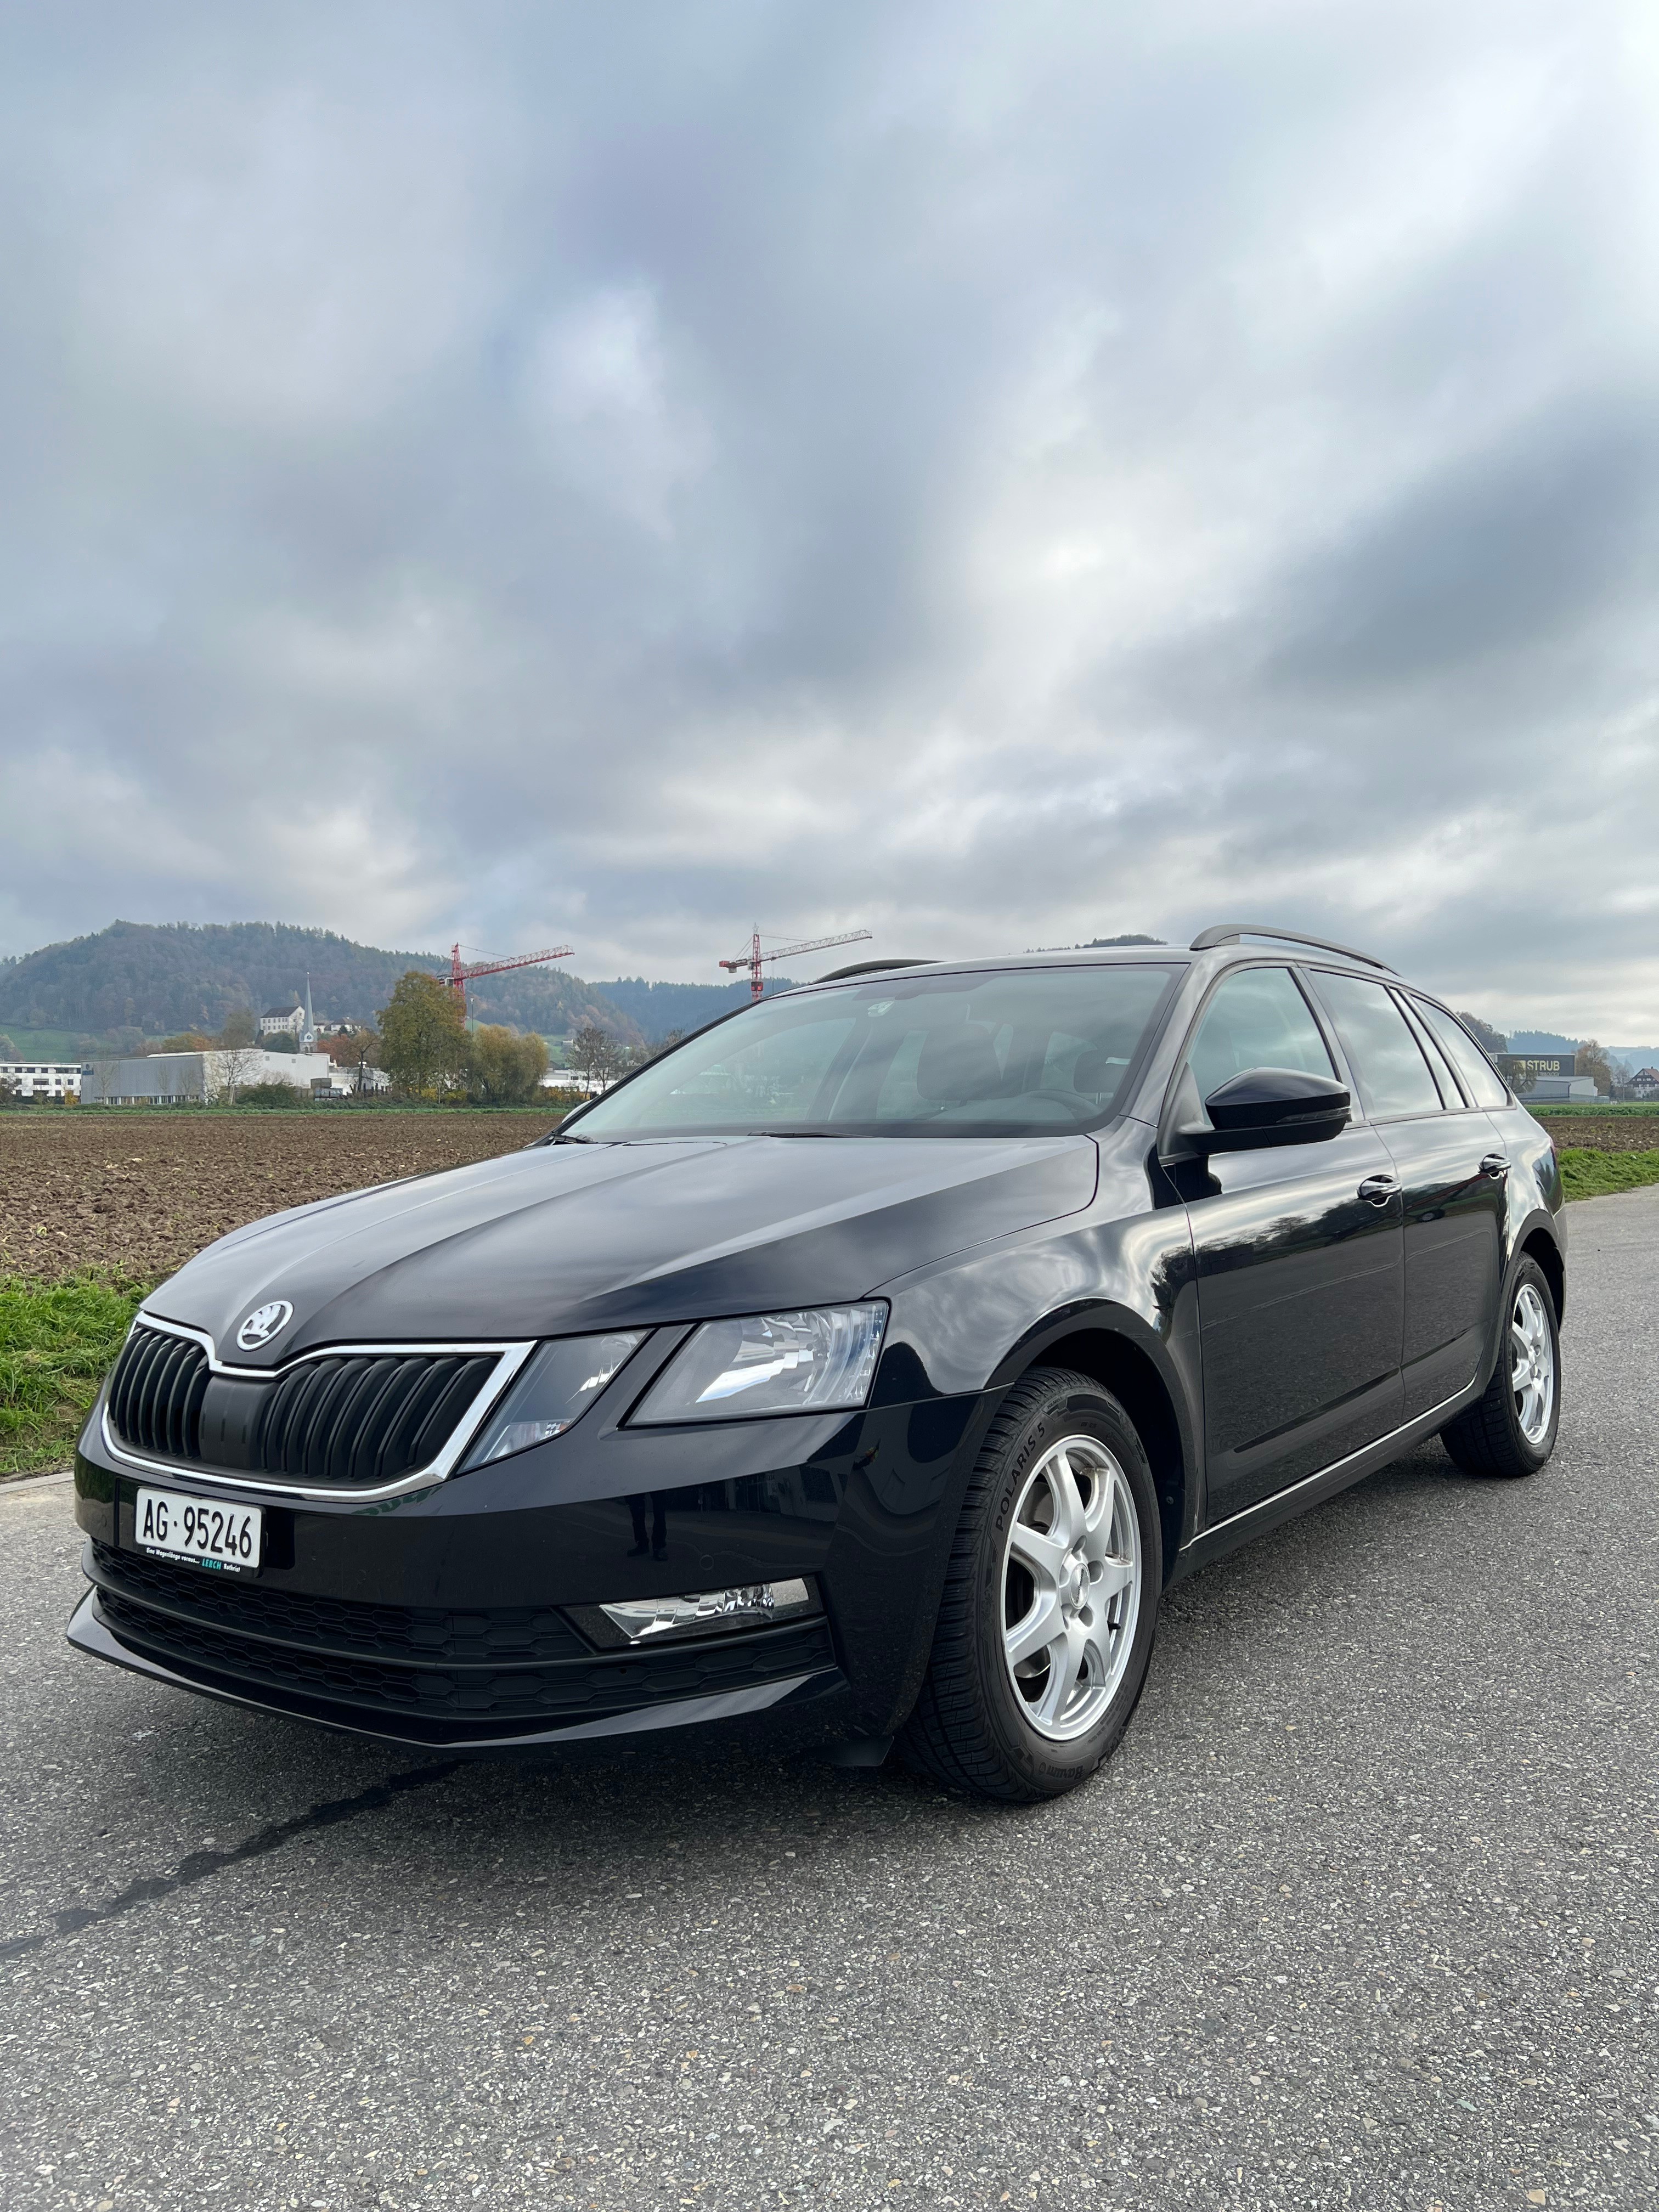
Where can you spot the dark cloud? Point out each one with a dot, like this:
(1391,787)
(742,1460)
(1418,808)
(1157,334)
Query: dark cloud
(993,476)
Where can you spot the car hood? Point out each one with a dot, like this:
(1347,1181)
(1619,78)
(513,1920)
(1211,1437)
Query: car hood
(563,1237)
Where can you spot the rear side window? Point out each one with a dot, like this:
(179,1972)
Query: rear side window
(1256,1018)
(1393,1076)
(1437,1059)
(1480,1080)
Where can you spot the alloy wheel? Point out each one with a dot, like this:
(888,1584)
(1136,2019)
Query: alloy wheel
(1532,1372)
(1071,1587)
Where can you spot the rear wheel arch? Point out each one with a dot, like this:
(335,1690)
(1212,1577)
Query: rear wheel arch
(1113,1359)
(1541,1246)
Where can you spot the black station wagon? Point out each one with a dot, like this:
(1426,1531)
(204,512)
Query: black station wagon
(865,1367)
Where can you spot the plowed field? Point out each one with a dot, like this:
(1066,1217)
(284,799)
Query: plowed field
(134,1194)
(1625,1132)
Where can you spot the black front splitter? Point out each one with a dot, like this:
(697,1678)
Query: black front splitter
(795,1711)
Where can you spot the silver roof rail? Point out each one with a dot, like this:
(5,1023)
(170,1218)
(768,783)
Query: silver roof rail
(1229,932)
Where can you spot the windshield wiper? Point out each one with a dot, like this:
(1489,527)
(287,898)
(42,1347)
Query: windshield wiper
(803,1132)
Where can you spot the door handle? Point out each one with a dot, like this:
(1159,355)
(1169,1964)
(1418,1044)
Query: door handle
(1378,1189)
(1495,1165)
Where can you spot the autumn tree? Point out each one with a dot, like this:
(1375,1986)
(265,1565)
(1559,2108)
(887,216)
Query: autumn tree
(354,1053)
(424,1038)
(1592,1061)
(231,1071)
(595,1053)
(503,1068)
(240,1030)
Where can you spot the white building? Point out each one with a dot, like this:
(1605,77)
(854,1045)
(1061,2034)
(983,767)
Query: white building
(181,1078)
(572,1079)
(1557,1090)
(42,1078)
(298,1020)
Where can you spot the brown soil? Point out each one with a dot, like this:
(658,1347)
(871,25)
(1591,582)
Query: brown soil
(135,1192)
(1604,1133)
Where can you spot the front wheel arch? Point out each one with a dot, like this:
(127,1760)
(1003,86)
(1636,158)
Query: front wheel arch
(1122,1367)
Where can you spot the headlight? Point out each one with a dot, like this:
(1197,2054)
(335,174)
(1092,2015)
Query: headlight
(555,1388)
(816,1362)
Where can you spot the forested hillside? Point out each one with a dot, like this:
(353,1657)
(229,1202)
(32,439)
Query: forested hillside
(135,978)
(659,1009)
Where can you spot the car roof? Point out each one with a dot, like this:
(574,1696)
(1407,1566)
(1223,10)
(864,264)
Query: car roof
(1211,958)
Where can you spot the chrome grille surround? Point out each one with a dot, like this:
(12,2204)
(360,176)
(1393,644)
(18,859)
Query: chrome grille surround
(507,1359)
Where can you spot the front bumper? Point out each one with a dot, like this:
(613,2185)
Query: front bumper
(438,1620)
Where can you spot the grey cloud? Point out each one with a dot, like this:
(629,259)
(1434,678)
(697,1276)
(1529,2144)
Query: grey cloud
(1507,552)
(993,476)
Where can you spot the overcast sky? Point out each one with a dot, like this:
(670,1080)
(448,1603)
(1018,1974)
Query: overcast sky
(993,475)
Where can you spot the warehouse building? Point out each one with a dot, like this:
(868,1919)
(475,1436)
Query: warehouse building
(196,1079)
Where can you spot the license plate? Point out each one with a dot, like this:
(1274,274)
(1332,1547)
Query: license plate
(221,1537)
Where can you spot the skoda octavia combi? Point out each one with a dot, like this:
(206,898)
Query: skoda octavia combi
(867,1366)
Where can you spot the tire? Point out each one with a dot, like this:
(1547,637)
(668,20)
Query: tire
(1002,1724)
(1509,1431)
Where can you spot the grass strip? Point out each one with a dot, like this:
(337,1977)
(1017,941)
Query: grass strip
(1586,1174)
(56,1342)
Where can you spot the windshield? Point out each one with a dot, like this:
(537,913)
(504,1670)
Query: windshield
(1030,1052)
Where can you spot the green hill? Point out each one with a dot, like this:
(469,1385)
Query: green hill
(137,979)
(659,1009)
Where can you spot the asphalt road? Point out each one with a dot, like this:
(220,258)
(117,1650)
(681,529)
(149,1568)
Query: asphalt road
(1363,1914)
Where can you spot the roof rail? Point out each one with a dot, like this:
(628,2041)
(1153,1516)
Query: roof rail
(1229,932)
(870,968)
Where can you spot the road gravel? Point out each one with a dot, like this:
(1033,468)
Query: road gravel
(1363,1913)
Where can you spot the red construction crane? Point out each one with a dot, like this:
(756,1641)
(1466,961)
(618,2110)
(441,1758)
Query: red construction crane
(462,973)
(751,960)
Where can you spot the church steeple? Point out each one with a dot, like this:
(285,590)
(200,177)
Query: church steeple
(308,1035)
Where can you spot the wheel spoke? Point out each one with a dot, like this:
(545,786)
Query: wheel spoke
(1520,1375)
(1065,1664)
(1042,1624)
(1116,1575)
(1069,1516)
(1038,1552)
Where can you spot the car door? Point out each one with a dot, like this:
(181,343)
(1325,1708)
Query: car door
(1451,1172)
(1298,1253)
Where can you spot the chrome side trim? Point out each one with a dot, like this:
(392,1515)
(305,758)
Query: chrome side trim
(510,1357)
(1279,1498)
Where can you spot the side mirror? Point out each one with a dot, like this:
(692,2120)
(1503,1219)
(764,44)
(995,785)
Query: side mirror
(1263,1106)
(1275,1106)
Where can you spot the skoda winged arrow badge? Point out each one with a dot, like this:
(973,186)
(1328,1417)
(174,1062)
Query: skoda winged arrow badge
(262,1323)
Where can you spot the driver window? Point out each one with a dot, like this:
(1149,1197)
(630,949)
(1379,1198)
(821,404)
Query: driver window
(1256,1018)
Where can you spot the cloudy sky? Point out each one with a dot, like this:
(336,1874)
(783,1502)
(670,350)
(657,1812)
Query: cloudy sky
(991,475)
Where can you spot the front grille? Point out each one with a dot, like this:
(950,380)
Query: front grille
(427,1635)
(355,1421)
(432,1700)
(345,1421)
(155,1394)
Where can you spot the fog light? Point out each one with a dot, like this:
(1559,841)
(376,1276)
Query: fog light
(700,1612)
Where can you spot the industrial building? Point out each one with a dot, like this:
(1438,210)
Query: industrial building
(185,1078)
